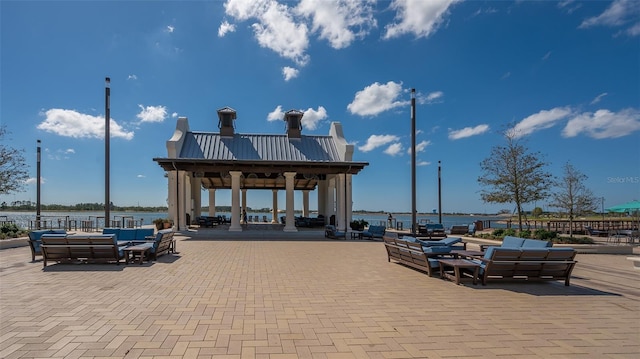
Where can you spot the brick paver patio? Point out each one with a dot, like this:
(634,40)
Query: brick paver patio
(274,295)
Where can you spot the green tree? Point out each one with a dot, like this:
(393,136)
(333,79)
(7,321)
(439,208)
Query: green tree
(512,174)
(13,167)
(537,212)
(572,195)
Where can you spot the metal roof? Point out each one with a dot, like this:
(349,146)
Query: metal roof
(262,158)
(259,147)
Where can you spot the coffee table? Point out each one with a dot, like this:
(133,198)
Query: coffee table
(457,265)
(467,254)
(356,234)
(133,252)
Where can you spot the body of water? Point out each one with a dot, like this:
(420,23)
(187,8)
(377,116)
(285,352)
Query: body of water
(57,219)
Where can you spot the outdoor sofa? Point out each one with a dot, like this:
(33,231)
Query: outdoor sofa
(529,259)
(162,243)
(409,253)
(374,232)
(432,230)
(90,248)
(130,234)
(35,240)
(460,230)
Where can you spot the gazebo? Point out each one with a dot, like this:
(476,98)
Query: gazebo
(227,160)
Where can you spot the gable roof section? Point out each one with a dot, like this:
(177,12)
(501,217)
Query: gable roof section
(252,147)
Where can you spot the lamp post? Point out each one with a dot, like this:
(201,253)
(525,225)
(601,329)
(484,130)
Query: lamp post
(602,198)
(38,186)
(107,119)
(439,193)
(413,163)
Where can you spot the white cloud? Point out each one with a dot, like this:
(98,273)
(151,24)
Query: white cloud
(467,132)
(276,28)
(170,29)
(506,75)
(69,151)
(337,19)
(539,121)
(33,180)
(619,13)
(432,97)
(174,115)
(141,176)
(70,123)
(420,147)
(546,56)
(289,73)
(375,141)
(598,98)
(276,115)
(419,17)
(377,98)
(312,118)
(394,149)
(225,28)
(132,77)
(422,163)
(152,113)
(604,124)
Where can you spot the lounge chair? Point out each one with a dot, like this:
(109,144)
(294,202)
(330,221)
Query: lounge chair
(330,231)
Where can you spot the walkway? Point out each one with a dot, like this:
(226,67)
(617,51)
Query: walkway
(275,295)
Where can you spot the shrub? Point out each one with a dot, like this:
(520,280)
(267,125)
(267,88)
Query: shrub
(543,234)
(10,230)
(524,234)
(497,232)
(574,240)
(509,232)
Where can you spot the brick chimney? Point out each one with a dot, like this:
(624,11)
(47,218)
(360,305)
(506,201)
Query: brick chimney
(226,116)
(294,123)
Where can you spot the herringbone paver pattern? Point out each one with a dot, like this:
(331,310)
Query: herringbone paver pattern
(280,299)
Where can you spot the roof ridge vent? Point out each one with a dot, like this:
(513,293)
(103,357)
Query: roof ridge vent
(226,116)
(294,123)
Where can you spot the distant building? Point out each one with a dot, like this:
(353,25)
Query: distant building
(291,162)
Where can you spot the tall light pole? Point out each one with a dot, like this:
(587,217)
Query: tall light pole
(38,187)
(107,119)
(439,193)
(602,198)
(413,163)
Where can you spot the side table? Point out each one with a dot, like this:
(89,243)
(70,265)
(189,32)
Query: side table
(458,264)
(133,252)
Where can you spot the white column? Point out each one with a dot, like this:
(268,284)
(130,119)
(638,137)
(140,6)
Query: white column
(274,211)
(349,201)
(244,202)
(235,201)
(331,198)
(340,206)
(212,202)
(290,225)
(305,203)
(322,199)
(196,197)
(172,194)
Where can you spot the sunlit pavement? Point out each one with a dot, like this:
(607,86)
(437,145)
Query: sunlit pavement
(269,294)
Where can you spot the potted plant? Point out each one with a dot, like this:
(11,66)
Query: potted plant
(162,223)
(358,224)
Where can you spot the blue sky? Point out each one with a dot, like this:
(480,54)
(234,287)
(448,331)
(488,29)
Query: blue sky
(566,74)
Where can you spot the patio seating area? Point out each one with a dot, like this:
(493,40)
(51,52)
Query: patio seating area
(275,295)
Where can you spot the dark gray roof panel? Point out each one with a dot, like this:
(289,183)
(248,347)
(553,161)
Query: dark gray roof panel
(212,146)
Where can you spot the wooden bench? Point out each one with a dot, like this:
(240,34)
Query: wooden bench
(409,254)
(530,264)
(60,247)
